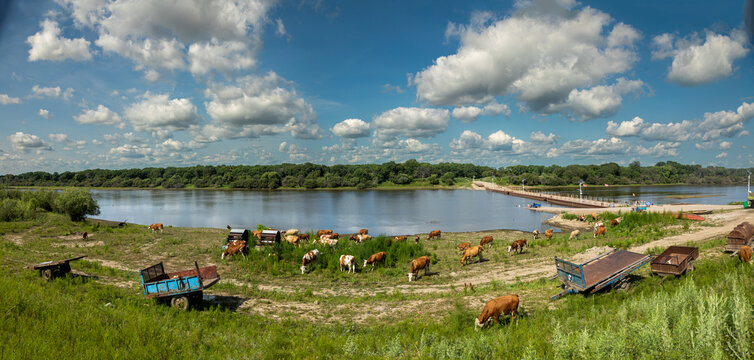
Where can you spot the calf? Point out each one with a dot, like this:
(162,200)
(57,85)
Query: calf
(292,239)
(399,238)
(535,232)
(155,227)
(418,264)
(363,232)
(375,258)
(470,253)
(486,240)
(518,246)
(574,235)
(291,232)
(462,247)
(235,247)
(600,231)
(348,262)
(504,305)
(323,232)
(434,234)
(548,234)
(309,258)
(744,254)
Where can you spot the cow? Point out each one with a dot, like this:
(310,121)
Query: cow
(349,262)
(375,258)
(615,222)
(434,234)
(292,239)
(399,238)
(600,231)
(333,243)
(323,232)
(360,238)
(518,246)
(84,236)
(598,225)
(581,218)
(363,232)
(462,247)
(503,305)
(257,234)
(334,236)
(470,253)
(416,239)
(155,227)
(325,237)
(535,232)
(744,254)
(418,264)
(235,247)
(548,234)
(574,235)
(594,216)
(291,232)
(303,236)
(487,240)
(309,258)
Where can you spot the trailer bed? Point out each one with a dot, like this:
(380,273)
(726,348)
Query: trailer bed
(605,270)
(609,265)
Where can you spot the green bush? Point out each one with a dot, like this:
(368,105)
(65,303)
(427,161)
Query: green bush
(76,203)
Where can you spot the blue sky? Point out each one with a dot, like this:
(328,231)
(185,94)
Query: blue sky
(137,83)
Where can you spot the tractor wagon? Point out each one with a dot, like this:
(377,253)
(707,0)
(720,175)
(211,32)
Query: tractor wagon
(743,234)
(181,287)
(675,260)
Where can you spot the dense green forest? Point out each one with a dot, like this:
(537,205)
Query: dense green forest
(411,172)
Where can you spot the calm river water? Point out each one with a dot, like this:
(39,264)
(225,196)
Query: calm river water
(381,211)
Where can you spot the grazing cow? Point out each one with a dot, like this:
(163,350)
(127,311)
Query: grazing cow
(363,232)
(292,239)
(303,236)
(155,227)
(349,262)
(615,222)
(291,232)
(323,232)
(486,240)
(598,225)
(375,258)
(470,253)
(360,238)
(418,264)
(594,215)
(548,234)
(324,237)
(235,247)
(256,233)
(416,239)
(309,258)
(581,218)
(434,234)
(744,254)
(333,243)
(399,238)
(535,233)
(518,246)
(600,231)
(504,305)
(334,236)
(574,235)
(462,247)
(84,236)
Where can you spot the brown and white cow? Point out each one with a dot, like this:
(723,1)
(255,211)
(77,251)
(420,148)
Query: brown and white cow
(291,232)
(574,234)
(518,246)
(333,243)
(600,231)
(363,232)
(292,239)
(418,264)
(416,239)
(257,234)
(581,218)
(155,227)
(309,258)
(375,258)
(323,232)
(535,232)
(598,225)
(487,240)
(744,254)
(462,247)
(503,305)
(470,253)
(84,236)
(594,216)
(399,238)
(548,234)
(360,238)
(235,247)
(434,234)
(614,222)
(349,262)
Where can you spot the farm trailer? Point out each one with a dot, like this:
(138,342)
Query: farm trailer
(181,288)
(608,269)
(675,260)
(55,268)
(742,234)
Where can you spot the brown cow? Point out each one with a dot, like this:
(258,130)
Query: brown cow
(434,234)
(334,236)
(470,253)
(600,231)
(235,247)
(416,239)
(323,232)
(744,254)
(486,240)
(462,247)
(363,232)
(594,215)
(155,227)
(581,218)
(256,233)
(375,258)
(614,222)
(504,305)
(518,246)
(309,258)
(548,234)
(418,264)
(303,236)
(84,236)
(399,238)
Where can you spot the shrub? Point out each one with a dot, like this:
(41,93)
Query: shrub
(76,203)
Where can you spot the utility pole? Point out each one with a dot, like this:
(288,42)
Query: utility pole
(748,185)
(522,185)
(581,182)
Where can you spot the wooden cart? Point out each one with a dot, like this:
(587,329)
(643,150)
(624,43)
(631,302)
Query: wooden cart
(675,260)
(53,269)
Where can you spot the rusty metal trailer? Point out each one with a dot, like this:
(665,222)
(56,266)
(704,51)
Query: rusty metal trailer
(57,268)
(742,234)
(675,260)
(609,269)
(182,287)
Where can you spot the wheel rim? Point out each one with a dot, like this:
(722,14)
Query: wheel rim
(47,274)
(181,302)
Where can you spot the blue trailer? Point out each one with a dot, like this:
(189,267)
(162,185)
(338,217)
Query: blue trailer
(608,269)
(181,288)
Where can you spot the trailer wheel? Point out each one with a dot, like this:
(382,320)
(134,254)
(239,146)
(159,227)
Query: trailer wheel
(690,266)
(46,274)
(180,302)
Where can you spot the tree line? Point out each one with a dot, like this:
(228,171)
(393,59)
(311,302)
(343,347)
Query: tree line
(411,172)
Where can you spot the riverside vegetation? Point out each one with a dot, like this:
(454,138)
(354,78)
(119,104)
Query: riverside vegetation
(101,312)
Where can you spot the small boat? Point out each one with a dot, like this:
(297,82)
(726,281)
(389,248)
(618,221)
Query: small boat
(534,205)
(688,216)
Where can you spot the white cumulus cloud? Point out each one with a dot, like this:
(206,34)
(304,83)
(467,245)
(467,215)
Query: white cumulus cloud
(597,102)
(49,45)
(625,128)
(45,114)
(351,128)
(410,123)
(26,142)
(52,92)
(7,100)
(100,116)
(158,113)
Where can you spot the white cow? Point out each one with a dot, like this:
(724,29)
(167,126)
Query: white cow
(309,258)
(349,262)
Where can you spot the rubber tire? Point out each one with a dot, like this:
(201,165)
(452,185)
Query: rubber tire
(180,302)
(47,274)
(689,266)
